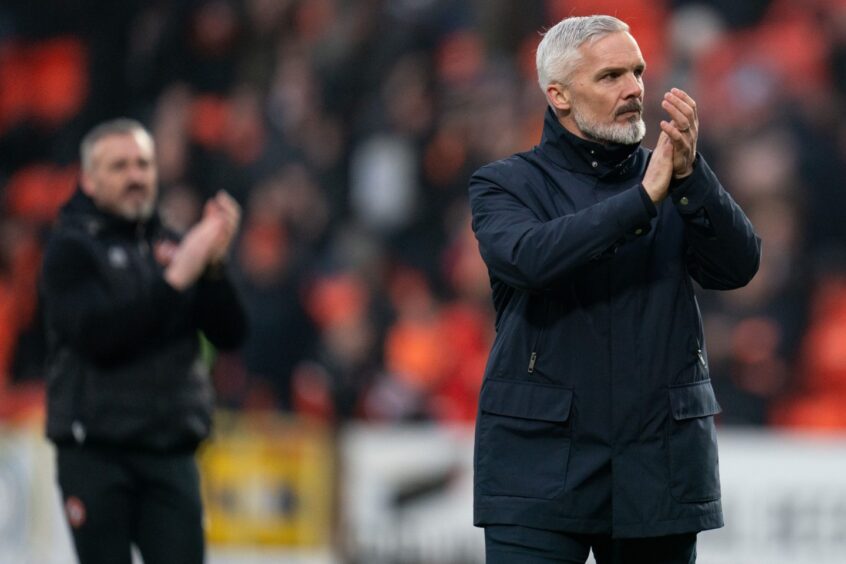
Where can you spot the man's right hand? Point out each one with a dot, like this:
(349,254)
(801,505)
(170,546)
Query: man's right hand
(206,244)
(656,179)
(193,254)
(229,211)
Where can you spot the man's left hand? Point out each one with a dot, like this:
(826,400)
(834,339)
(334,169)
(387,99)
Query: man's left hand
(683,130)
(225,211)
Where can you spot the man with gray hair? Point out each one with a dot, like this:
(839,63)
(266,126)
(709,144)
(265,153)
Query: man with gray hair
(596,415)
(128,393)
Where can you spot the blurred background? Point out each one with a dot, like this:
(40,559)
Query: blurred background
(347,130)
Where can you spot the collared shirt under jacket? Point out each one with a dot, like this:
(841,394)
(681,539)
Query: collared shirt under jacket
(596,413)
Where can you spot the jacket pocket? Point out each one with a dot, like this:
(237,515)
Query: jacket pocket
(694,464)
(523,439)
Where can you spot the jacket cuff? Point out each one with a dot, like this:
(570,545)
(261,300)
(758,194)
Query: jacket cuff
(638,212)
(647,201)
(689,193)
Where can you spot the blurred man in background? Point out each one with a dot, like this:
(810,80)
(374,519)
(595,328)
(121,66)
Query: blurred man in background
(129,398)
(596,424)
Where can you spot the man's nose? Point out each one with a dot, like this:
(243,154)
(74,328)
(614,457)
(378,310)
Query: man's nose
(634,86)
(137,173)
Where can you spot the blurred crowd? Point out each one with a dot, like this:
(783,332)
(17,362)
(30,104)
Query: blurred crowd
(347,130)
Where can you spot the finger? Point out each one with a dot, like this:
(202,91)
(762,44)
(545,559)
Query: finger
(229,206)
(679,140)
(213,226)
(210,208)
(221,214)
(226,201)
(685,97)
(681,114)
(682,101)
(662,142)
(663,148)
(223,195)
(232,218)
(691,120)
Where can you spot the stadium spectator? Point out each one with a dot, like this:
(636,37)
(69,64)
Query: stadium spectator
(368,99)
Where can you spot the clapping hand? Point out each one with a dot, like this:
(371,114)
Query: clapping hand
(207,243)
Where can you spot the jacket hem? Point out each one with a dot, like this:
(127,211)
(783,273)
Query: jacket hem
(541,515)
(694,524)
(537,514)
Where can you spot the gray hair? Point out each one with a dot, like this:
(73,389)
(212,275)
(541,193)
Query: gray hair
(558,51)
(119,126)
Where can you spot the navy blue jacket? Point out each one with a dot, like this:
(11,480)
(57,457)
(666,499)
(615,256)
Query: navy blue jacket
(596,414)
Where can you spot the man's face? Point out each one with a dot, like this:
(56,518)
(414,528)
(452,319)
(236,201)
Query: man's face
(121,177)
(605,93)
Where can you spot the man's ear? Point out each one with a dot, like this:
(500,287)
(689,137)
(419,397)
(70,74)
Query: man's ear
(558,97)
(86,183)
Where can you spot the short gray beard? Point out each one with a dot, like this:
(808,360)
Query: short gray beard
(141,214)
(625,134)
(146,212)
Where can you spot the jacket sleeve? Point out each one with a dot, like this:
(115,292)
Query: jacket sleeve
(525,252)
(722,247)
(219,311)
(82,311)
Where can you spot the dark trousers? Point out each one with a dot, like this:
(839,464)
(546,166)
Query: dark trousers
(114,498)
(511,544)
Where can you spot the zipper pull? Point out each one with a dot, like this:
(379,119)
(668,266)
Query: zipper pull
(78,432)
(532,360)
(701,357)
(143,245)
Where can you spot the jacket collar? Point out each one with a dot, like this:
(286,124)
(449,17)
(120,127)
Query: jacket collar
(587,157)
(81,210)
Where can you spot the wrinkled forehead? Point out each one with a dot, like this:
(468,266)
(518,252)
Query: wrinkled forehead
(615,48)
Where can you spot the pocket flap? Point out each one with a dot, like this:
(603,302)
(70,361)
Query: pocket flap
(693,400)
(526,400)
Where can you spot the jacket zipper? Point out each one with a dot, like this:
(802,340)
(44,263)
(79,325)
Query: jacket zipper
(77,428)
(532,359)
(534,356)
(700,356)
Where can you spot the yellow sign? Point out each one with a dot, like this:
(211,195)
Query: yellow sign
(268,480)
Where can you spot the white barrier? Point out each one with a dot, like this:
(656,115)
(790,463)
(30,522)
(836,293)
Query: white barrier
(406,496)
(784,497)
(32,530)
